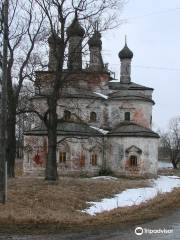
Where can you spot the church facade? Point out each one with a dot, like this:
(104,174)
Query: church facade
(102,124)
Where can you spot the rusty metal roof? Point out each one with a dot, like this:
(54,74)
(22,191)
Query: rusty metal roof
(67,129)
(132,129)
(127,86)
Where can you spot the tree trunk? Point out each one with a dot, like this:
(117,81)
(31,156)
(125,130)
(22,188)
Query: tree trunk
(11,142)
(174,164)
(3,126)
(173,160)
(51,164)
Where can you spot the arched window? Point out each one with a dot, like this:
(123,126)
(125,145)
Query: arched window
(93,117)
(62,157)
(82,160)
(133,161)
(94,159)
(127,116)
(67,115)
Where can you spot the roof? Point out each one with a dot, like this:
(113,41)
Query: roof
(54,38)
(95,40)
(67,129)
(127,86)
(125,53)
(78,93)
(132,129)
(75,29)
(119,96)
(82,93)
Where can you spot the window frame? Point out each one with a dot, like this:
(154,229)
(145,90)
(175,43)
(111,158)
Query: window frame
(67,115)
(94,159)
(127,116)
(82,160)
(93,116)
(133,161)
(62,157)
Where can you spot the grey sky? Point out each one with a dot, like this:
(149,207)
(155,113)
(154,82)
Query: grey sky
(153,34)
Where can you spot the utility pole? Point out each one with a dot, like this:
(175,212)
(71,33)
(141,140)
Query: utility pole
(3,123)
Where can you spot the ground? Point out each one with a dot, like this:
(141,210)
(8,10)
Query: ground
(33,203)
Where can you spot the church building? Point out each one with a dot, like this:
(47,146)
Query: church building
(102,124)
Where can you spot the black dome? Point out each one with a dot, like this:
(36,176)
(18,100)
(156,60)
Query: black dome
(75,29)
(54,38)
(95,40)
(125,53)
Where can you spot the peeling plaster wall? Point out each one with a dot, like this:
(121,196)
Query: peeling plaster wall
(81,109)
(117,157)
(75,148)
(94,81)
(34,145)
(141,112)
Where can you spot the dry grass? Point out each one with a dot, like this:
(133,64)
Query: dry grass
(34,203)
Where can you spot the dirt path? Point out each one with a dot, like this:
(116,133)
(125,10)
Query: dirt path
(168,222)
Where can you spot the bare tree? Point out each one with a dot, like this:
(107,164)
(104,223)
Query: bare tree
(24,28)
(59,14)
(3,124)
(171,141)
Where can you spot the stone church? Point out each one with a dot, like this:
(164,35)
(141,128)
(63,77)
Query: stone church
(102,124)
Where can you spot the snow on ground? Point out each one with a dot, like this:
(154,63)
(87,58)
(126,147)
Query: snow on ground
(135,196)
(164,165)
(101,95)
(105,178)
(100,130)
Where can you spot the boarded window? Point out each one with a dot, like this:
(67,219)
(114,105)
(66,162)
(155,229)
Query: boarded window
(94,159)
(133,161)
(62,157)
(127,116)
(93,117)
(67,115)
(82,160)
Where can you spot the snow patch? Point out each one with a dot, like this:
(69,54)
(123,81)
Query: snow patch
(100,130)
(162,164)
(101,95)
(105,178)
(135,196)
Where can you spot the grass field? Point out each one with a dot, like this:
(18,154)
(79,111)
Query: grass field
(40,205)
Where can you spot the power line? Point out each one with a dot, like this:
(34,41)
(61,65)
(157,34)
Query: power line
(162,68)
(152,14)
(156,68)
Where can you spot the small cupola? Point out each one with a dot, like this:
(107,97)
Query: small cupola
(95,47)
(125,53)
(95,40)
(54,39)
(75,29)
(125,56)
(75,33)
(55,45)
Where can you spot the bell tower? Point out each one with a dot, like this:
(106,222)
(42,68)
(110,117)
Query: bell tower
(95,47)
(125,56)
(75,33)
(54,51)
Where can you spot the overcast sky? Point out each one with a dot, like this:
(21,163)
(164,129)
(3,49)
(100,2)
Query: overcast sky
(153,34)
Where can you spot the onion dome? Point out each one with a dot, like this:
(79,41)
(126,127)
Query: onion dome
(125,53)
(54,38)
(75,29)
(95,40)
